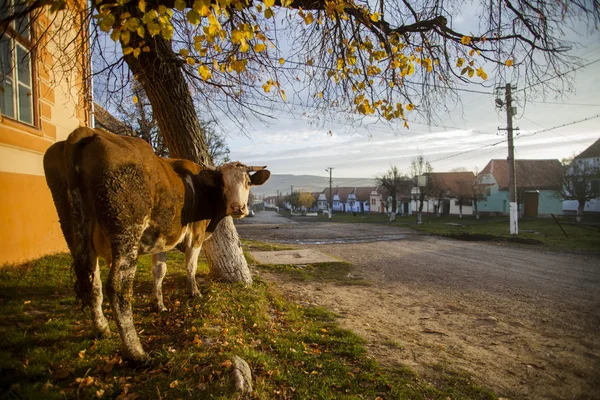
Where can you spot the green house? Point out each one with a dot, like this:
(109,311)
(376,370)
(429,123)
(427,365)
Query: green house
(538,182)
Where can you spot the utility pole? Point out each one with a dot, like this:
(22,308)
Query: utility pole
(512,173)
(330,169)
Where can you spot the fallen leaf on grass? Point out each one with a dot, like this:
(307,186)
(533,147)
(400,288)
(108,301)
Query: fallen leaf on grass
(82,353)
(226,363)
(27,302)
(85,382)
(174,384)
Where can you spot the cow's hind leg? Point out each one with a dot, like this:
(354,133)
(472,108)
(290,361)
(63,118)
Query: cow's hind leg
(191,263)
(99,320)
(159,270)
(120,290)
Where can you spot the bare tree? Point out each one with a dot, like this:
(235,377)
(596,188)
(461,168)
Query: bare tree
(580,182)
(438,191)
(391,181)
(215,140)
(420,168)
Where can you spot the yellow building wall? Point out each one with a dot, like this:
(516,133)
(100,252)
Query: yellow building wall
(29,226)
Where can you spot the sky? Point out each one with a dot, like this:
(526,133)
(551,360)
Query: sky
(300,143)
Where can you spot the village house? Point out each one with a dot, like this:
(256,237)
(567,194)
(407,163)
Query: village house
(538,182)
(450,193)
(403,199)
(39,105)
(590,156)
(347,199)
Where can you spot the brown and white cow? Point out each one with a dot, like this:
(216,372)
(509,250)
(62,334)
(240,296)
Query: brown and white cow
(116,200)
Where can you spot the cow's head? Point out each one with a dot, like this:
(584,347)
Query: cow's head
(237,181)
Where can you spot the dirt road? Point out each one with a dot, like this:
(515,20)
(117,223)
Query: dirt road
(520,321)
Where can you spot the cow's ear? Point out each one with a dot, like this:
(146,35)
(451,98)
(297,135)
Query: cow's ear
(259,177)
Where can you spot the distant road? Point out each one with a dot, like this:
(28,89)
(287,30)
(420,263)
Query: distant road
(265,217)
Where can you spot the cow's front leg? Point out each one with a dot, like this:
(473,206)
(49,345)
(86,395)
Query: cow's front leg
(191,263)
(99,320)
(159,270)
(120,289)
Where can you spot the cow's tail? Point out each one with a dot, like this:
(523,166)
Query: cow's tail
(84,259)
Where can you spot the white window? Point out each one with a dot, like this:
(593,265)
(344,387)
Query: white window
(16,82)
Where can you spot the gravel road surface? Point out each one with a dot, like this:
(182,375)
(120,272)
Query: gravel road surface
(521,321)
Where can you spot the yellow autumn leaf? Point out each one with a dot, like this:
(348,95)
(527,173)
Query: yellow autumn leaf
(460,62)
(282,92)
(267,86)
(286,3)
(107,22)
(465,40)
(135,100)
(269,3)
(193,17)
(470,72)
(127,50)
(375,17)
(132,24)
(260,47)
(184,52)
(180,5)
(136,52)
(410,107)
(190,61)
(141,31)
(509,63)
(142,5)
(204,72)
(308,19)
(115,34)
(282,61)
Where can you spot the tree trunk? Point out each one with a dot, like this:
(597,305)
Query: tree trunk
(580,207)
(476,209)
(162,79)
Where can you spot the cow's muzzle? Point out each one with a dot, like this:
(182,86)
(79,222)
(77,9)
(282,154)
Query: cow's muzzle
(238,210)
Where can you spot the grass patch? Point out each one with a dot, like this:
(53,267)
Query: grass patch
(47,351)
(532,231)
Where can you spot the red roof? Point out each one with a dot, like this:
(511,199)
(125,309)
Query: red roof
(591,152)
(531,174)
(455,183)
(361,193)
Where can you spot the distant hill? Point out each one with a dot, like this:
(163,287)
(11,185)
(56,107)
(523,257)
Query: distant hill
(308,183)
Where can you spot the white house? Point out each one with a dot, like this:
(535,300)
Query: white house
(590,156)
(347,199)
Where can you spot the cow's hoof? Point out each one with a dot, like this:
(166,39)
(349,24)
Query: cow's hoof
(160,308)
(138,360)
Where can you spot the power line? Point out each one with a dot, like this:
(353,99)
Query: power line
(565,104)
(553,131)
(560,126)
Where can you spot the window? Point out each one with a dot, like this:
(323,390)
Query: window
(16,82)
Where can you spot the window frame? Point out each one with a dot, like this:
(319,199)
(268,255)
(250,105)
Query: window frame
(17,40)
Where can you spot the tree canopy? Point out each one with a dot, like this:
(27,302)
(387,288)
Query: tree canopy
(383,58)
